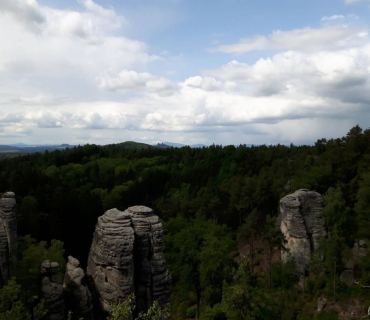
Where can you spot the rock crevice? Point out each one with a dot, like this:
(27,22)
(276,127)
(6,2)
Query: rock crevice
(126,257)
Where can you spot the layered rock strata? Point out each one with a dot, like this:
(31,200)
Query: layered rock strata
(302,224)
(110,262)
(152,279)
(126,256)
(77,294)
(52,290)
(8,234)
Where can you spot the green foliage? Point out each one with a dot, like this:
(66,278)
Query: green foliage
(284,276)
(204,196)
(198,253)
(11,308)
(8,295)
(122,310)
(39,312)
(362,206)
(337,215)
(243,299)
(30,256)
(155,312)
(326,315)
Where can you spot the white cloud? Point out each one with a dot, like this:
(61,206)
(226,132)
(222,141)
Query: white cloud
(64,42)
(129,80)
(306,39)
(352,1)
(53,61)
(333,17)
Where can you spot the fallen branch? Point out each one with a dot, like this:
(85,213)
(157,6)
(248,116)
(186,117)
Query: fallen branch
(357,282)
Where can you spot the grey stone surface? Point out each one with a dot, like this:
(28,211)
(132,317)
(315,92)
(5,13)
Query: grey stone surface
(152,279)
(110,262)
(321,303)
(52,290)
(76,292)
(126,256)
(8,234)
(302,225)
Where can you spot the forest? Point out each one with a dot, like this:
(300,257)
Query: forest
(213,202)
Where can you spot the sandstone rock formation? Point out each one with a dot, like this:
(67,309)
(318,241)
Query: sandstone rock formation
(52,290)
(8,234)
(110,261)
(77,295)
(126,256)
(152,279)
(302,225)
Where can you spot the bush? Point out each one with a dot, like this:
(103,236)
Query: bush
(191,312)
(326,315)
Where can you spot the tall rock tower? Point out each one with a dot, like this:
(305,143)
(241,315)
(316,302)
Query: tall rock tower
(302,225)
(8,234)
(126,257)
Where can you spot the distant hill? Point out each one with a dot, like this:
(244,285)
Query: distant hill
(8,151)
(6,147)
(180,145)
(162,146)
(132,145)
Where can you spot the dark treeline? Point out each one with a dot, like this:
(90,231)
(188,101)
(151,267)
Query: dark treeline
(208,199)
(61,193)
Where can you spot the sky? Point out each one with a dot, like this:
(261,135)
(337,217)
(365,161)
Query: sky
(186,71)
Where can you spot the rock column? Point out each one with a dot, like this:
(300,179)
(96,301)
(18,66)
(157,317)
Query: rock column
(126,257)
(302,224)
(77,295)
(110,262)
(152,279)
(8,234)
(52,290)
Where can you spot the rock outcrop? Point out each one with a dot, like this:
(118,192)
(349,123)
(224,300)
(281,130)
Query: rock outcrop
(52,290)
(152,279)
(126,256)
(110,261)
(302,224)
(76,292)
(8,234)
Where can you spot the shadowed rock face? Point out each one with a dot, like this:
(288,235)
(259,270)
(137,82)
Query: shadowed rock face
(126,256)
(152,279)
(77,295)
(52,290)
(8,234)
(302,225)
(110,261)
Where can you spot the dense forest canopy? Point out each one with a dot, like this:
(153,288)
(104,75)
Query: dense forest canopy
(207,197)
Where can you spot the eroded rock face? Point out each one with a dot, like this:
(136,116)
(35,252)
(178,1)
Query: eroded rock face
(126,256)
(77,295)
(52,290)
(152,279)
(8,234)
(110,261)
(302,225)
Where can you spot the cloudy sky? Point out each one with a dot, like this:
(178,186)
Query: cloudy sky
(187,71)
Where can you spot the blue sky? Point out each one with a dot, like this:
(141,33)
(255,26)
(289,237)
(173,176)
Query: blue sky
(188,71)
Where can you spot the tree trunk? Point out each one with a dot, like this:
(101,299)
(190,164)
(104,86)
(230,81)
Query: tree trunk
(335,271)
(198,303)
(270,262)
(252,254)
